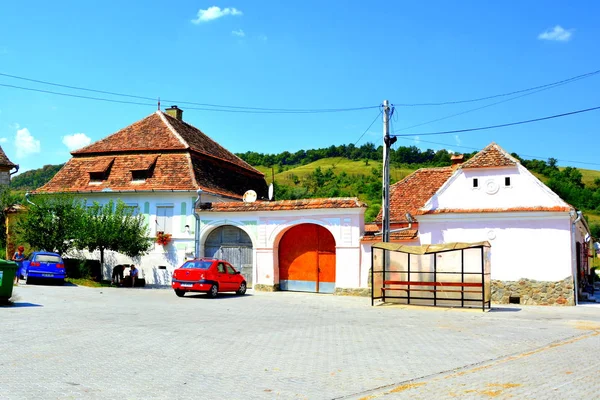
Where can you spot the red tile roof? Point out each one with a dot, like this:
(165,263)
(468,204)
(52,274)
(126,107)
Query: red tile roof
(411,193)
(407,235)
(490,157)
(284,205)
(171,172)
(4,161)
(161,132)
(176,155)
(493,210)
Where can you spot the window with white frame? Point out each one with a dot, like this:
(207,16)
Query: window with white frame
(164,218)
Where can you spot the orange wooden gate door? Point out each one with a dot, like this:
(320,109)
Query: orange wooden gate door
(307,259)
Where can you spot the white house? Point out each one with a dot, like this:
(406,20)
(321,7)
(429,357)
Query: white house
(539,243)
(156,166)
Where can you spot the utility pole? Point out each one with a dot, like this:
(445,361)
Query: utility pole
(387,144)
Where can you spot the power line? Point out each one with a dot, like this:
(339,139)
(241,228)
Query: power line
(270,110)
(520,155)
(587,75)
(364,133)
(500,125)
(487,105)
(77,96)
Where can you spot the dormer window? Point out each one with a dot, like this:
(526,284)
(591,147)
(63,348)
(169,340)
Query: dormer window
(507,181)
(475,183)
(140,176)
(97,177)
(144,169)
(99,170)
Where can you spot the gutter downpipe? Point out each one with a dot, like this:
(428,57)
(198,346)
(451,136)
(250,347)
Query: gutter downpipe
(16,167)
(197,232)
(410,220)
(574,255)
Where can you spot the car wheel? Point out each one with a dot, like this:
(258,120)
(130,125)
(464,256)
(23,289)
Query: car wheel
(214,291)
(179,292)
(242,290)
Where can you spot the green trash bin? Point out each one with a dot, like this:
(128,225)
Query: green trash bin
(8,269)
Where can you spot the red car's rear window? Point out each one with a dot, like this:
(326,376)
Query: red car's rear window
(197,264)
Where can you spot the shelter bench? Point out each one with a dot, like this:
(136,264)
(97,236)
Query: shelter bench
(435,288)
(391,285)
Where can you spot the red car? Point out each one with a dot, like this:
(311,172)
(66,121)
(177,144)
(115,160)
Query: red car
(207,275)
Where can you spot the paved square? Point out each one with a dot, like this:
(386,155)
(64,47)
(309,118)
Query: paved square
(86,343)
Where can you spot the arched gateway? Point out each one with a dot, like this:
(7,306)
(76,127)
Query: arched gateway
(233,245)
(307,259)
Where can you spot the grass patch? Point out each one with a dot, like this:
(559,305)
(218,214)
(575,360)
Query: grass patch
(338,164)
(86,282)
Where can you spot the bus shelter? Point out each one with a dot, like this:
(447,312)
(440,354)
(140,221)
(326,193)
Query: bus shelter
(449,275)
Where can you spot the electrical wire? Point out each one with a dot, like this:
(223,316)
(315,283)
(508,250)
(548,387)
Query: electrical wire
(574,78)
(448,145)
(500,125)
(361,136)
(216,106)
(482,107)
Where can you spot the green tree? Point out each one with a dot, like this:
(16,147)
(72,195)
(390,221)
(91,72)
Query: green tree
(114,227)
(52,223)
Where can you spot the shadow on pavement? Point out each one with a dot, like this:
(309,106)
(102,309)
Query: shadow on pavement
(221,296)
(504,309)
(18,305)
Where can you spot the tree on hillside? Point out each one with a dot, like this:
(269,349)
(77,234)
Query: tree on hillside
(51,223)
(114,227)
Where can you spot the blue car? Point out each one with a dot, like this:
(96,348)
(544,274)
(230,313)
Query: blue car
(44,265)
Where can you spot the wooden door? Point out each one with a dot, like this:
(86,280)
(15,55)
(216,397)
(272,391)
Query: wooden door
(307,259)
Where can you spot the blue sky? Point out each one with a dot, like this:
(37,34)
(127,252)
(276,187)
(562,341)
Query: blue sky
(302,54)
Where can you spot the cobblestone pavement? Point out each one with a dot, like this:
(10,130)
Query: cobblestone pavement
(87,343)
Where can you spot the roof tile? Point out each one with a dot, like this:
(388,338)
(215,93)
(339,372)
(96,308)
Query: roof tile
(490,157)
(411,193)
(4,161)
(284,205)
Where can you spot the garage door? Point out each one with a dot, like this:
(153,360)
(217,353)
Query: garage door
(233,245)
(307,259)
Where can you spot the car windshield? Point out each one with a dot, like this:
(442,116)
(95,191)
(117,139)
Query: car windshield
(48,258)
(197,264)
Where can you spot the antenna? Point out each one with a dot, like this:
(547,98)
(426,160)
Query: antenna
(159,104)
(249,196)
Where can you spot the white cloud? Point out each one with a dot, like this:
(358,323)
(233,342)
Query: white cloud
(3,140)
(417,140)
(76,141)
(14,126)
(457,138)
(26,144)
(558,33)
(263,37)
(238,33)
(214,12)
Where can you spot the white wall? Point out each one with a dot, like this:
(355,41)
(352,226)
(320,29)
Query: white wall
(171,256)
(533,245)
(266,228)
(525,190)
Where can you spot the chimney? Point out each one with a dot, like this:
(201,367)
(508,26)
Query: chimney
(175,112)
(457,159)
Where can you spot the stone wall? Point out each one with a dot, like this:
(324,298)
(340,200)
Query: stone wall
(530,292)
(266,288)
(365,292)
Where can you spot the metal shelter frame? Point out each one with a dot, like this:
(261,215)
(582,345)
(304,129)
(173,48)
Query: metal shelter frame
(451,274)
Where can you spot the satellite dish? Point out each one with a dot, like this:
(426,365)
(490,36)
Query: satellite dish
(249,196)
(271,191)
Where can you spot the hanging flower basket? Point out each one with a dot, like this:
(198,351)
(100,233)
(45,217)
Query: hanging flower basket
(163,238)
